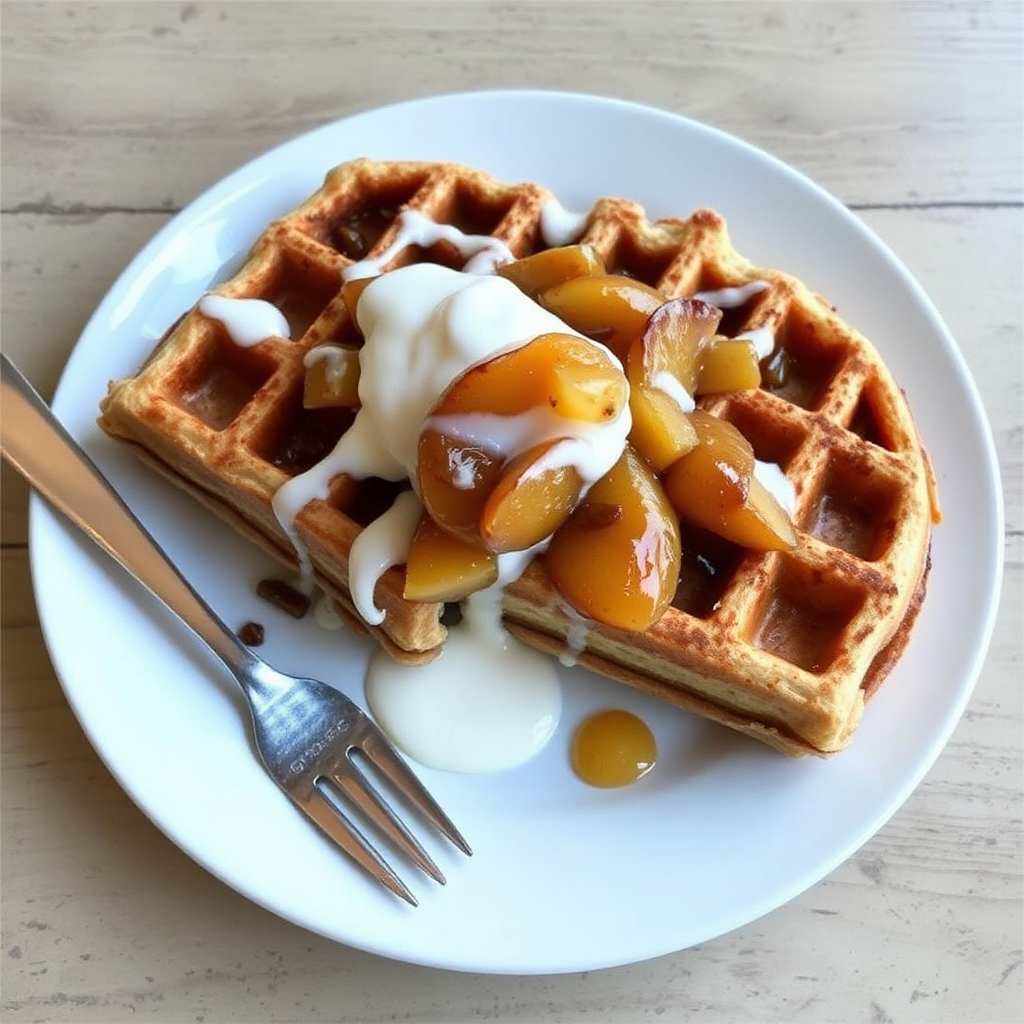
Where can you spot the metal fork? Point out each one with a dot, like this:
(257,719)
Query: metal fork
(306,732)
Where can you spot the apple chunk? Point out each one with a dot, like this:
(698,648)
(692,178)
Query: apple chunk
(662,366)
(608,308)
(441,567)
(728,364)
(616,558)
(534,496)
(673,340)
(553,378)
(561,372)
(455,479)
(714,487)
(550,267)
(714,478)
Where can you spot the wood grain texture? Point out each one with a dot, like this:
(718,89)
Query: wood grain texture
(861,96)
(115,115)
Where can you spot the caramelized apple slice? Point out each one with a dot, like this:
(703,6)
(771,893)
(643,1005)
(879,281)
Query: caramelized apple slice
(441,567)
(763,523)
(760,523)
(616,558)
(661,431)
(611,309)
(455,479)
(714,478)
(534,496)
(332,378)
(662,366)
(674,340)
(551,267)
(728,364)
(714,487)
(561,372)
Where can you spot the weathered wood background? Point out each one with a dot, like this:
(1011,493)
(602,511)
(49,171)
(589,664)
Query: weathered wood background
(115,115)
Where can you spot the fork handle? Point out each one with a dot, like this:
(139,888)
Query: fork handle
(37,446)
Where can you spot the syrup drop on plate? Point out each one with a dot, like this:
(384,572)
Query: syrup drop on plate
(613,748)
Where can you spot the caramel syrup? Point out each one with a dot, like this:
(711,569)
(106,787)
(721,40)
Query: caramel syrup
(613,748)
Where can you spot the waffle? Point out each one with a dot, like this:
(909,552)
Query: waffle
(783,646)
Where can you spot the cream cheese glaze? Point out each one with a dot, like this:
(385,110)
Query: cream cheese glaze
(669,384)
(559,226)
(482,252)
(774,480)
(731,298)
(762,338)
(247,321)
(487,703)
(382,544)
(334,357)
(587,447)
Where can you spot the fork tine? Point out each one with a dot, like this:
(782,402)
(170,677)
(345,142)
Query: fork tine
(386,760)
(351,841)
(355,786)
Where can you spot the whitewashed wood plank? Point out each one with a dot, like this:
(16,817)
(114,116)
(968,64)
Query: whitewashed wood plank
(56,270)
(13,507)
(880,102)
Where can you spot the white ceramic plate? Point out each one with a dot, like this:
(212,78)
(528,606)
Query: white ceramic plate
(564,877)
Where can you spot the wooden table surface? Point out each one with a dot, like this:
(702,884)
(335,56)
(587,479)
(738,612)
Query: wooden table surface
(116,115)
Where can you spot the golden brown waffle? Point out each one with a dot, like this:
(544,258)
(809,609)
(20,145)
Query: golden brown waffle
(785,646)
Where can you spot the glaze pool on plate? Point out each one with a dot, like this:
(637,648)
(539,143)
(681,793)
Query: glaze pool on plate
(741,829)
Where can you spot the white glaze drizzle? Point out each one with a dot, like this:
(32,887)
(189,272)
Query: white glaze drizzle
(732,298)
(382,544)
(559,226)
(590,448)
(512,565)
(463,470)
(482,252)
(359,453)
(762,338)
(325,614)
(774,480)
(247,321)
(669,384)
(576,633)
